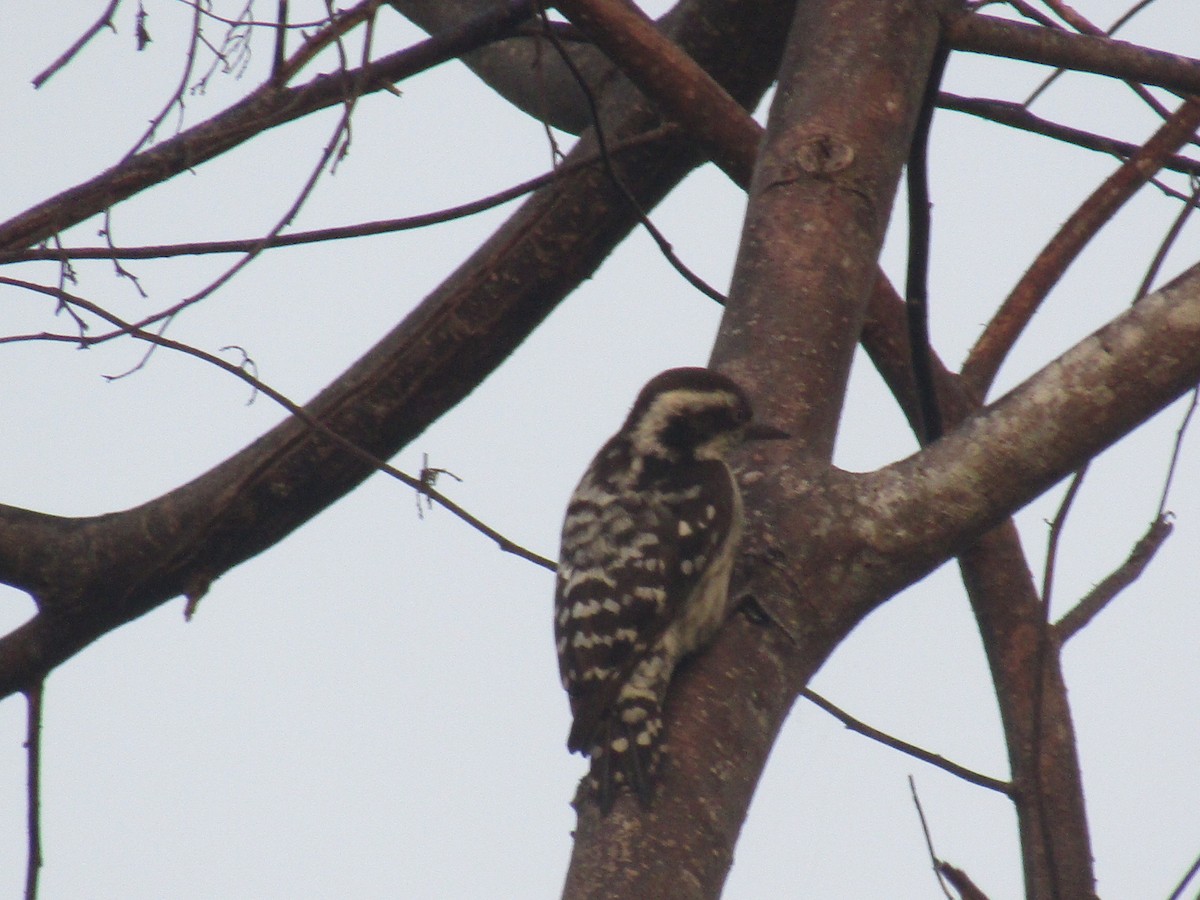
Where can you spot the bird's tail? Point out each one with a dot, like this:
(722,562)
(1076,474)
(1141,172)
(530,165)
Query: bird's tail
(628,752)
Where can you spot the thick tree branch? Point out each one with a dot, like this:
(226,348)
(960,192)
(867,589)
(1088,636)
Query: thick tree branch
(1054,47)
(825,172)
(1039,733)
(1016,448)
(671,78)
(524,70)
(879,532)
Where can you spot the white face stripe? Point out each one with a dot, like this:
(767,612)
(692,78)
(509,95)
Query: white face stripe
(673,404)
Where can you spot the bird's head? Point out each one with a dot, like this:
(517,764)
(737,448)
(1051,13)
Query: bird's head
(692,413)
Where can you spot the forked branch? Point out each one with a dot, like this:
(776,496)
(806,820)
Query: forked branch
(1001,334)
(264,108)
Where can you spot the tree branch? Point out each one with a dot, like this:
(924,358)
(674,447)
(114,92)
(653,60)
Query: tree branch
(961,882)
(422,486)
(264,108)
(1016,115)
(988,467)
(926,756)
(104,21)
(1124,575)
(688,95)
(33,787)
(337,233)
(977,33)
(933,858)
(523,69)
(1088,398)
(1008,609)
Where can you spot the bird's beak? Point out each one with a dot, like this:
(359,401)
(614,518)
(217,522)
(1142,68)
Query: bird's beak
(760,431)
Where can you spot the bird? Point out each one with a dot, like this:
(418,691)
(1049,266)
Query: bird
(648,544)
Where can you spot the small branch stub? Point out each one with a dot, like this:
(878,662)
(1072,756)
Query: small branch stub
(824,154)
(813,156)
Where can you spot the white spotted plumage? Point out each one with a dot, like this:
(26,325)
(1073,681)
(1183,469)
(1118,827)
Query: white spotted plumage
(648,545)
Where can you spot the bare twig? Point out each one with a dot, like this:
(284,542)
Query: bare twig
(994,784)
(364,229)
(1175,449)
(239,371)
(33,787)
(339,24)
(916,292)
(121,271)
(1185,880)
(163,319)
(1070,16)
(664,245)
(1029,12)
(1084,26)
(1056,528)
(255,23)
(105,21)
(1126,574)
(176,97)
(1017,116)
(232,56)
(66,273)
(263,108)
(933,860)
(1169,240)
(1123,19)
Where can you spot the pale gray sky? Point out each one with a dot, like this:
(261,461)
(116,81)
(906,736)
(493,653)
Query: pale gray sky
(371,708)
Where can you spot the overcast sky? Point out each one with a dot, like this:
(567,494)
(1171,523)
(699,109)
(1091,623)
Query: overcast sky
(371,708)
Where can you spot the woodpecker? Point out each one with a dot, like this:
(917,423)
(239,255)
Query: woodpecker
(648,544)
